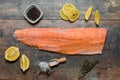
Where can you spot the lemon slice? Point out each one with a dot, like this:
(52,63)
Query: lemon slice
(24,63)
(97,17)
(63,16)
(73,14)
(67,7)
(88,13)
(12,53)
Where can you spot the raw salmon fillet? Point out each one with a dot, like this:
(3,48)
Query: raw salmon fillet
(70,41)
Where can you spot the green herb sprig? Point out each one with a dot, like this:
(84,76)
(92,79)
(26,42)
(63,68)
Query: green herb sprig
(87,66)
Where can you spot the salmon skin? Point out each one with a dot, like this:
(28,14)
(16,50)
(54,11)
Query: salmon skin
(86,41)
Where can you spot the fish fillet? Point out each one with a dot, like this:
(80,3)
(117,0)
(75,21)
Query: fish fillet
(70,41)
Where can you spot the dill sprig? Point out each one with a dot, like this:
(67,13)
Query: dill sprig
(87,66)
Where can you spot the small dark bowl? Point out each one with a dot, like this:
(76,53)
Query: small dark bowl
(28,8)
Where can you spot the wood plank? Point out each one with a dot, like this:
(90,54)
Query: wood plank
(108,68)
(13,9)
(104,70)
(11,18)
(7,28)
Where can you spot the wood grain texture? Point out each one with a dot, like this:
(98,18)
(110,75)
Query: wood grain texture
(13,9)
(108,67)
(11,19)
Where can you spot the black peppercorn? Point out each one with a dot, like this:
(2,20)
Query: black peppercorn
(33,13)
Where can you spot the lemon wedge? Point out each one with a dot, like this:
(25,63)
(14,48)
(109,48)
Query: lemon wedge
(88,13)
(12,53)
(97,17)
(24,63)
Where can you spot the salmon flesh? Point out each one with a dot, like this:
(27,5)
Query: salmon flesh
(70,41)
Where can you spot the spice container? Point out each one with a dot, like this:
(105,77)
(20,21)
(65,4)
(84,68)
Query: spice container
(55,62)
(33,13)
(46,66)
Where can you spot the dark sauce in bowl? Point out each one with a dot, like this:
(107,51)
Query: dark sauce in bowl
(33,13)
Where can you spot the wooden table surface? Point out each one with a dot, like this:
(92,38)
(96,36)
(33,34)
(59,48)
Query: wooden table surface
(11,18)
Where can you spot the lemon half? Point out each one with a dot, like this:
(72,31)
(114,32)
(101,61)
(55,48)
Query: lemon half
(12,53)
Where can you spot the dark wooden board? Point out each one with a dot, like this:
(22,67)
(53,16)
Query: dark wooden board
(11,19)
(13,9)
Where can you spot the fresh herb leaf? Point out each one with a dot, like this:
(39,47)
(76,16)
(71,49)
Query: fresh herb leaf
(87,66)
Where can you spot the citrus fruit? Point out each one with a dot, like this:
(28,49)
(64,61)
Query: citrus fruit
(67,7)
(24,63)
(63,16)
(88,13)
(97,17)
(12,53)
(73,14)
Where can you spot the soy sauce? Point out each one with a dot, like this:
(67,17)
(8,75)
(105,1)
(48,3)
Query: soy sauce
(33,13)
